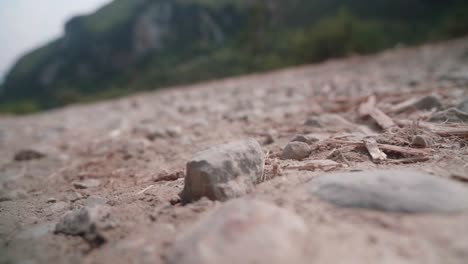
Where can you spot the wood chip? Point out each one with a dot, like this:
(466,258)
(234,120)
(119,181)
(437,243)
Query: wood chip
(373,149)
(369,108)
(406,150)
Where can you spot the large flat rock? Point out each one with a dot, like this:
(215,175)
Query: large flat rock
(404,191)
(243,231)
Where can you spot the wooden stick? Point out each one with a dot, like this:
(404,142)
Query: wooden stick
(145,189)
(373,149)
(369,108)
(325,165)
(408,160)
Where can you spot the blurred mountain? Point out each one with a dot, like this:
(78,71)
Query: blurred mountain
(132,45)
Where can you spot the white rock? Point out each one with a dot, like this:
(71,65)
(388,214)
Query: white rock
(224,171)
(243,231)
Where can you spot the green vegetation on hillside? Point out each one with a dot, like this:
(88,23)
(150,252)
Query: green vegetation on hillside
(106,54)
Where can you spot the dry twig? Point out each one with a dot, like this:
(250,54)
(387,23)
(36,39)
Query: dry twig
(325,165)
(373,149)
(369,108)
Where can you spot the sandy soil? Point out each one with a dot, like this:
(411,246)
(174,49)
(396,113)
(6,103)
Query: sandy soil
(133,143)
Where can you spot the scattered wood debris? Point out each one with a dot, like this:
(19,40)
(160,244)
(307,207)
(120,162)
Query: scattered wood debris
(443,130)
(399,149)
(373,149)
(337,154)
(369,108)
(378,152)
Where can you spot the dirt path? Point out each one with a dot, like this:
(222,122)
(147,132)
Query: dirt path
(134,151)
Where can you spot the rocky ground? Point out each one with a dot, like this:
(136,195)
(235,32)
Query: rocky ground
(362,160)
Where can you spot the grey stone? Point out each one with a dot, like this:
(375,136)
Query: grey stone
(223,172)
(88,183)
(404,191)
(296,151)
(73,196)
(309,139)
(450,115)
(174,131)
(270,137)
(94,200)
(243,231)
(428,102)
(77,222)
(28,154)
(463,105)
(154,134)
(86,222)
(51,200)
(420,141)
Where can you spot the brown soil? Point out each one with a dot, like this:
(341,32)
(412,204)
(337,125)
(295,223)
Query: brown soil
(108,141)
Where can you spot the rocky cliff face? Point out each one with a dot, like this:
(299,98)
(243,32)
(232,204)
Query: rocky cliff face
(94,51)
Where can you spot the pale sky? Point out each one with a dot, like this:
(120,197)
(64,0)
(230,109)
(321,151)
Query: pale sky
(28,24)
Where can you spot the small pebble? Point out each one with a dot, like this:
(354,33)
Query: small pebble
(309,139)
(51,200)
(174,131)
(296,151)
(28,154)
(420,142)
(85,184)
